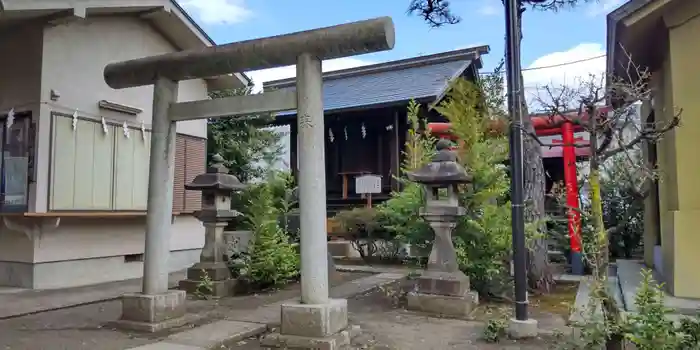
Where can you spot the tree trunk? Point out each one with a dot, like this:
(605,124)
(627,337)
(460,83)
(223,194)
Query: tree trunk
(601,235)
(611,312)
(539,273)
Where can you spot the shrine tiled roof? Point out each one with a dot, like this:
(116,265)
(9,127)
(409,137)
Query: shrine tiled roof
(424,79)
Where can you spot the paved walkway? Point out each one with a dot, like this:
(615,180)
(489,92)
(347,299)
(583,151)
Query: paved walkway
(16,302)
(377,269)
(235,323)
(629,276)
(19,302)
(238,326)
(82,327)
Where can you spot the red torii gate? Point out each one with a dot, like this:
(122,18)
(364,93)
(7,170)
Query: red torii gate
(548,125)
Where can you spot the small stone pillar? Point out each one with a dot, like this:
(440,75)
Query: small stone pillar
(442,289)
(216,186)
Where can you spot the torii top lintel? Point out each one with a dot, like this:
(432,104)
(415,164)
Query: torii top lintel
(325,43)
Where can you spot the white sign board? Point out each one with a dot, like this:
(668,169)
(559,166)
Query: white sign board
(368,184)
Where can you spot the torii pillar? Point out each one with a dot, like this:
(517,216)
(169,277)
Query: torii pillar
(316,317)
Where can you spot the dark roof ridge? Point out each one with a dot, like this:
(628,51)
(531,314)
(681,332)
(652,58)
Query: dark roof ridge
(472,53)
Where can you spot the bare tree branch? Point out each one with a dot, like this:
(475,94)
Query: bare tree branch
(435,12)
(438,12)
(649,135)
(555,5)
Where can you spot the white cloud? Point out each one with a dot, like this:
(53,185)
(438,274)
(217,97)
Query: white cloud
(265,75)
(490,8)
(218,11)
(561,71)
(602,7)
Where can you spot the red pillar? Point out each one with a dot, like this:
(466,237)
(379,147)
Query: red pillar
(571,181)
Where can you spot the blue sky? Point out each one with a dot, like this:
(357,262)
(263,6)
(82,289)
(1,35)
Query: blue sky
(550,38)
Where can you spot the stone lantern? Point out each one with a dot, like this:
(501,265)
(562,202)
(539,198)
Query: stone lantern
(216,186)
(442,289)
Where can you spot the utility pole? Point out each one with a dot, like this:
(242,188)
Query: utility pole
(513,75)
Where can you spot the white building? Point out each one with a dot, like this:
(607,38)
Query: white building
(75,151)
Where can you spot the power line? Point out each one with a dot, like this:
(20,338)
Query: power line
(555,65)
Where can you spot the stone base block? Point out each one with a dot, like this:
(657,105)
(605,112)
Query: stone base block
(152,313)
(341,249)
(314,320)
(338,341)
(215,271)
(443,283)
(443,305)
(522,329)
(148,327)
(217,289)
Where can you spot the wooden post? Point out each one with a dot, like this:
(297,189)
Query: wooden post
(345,186)
(396,152)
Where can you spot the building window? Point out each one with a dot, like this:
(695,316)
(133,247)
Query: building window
(97,169)
(15,164)
(190,161)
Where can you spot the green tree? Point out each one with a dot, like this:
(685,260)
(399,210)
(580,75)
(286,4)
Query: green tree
(438,13)
(272,258)
(483,235)
(249,148)
(400,214)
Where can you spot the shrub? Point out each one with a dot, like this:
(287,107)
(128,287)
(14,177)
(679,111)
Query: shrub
(495,330)
(649,328)
(400,216)
(282,189)
(272,260)
(364,228)
(483,242)
(690,327)
(623,207)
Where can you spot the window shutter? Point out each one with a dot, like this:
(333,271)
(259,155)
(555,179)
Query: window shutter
(180,165)
(196,153)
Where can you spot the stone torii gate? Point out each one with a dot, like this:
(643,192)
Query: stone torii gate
(316,316)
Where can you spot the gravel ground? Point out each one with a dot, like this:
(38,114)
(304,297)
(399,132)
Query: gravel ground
(380,322)
(81,328)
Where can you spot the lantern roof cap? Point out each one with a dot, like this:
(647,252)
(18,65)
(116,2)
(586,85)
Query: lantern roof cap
(216,178)
(443,169)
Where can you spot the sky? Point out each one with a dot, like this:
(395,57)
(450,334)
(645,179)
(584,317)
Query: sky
(549,38)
